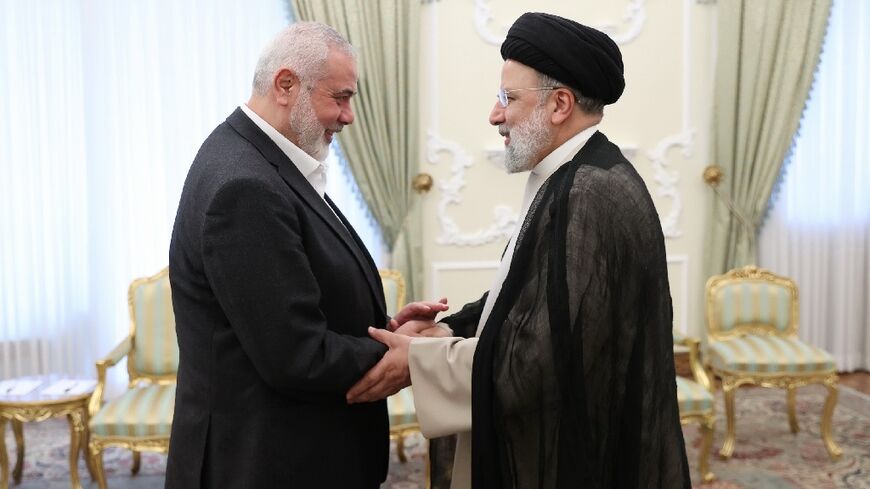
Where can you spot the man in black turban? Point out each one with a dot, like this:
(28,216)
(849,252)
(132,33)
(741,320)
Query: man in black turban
(561,375)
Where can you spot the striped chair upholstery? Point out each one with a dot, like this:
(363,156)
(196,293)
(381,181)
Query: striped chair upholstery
(752,338)
(140,412)
(693,397)
(758,303)
(155,347)
(141,418)
(394,290)
(765,354)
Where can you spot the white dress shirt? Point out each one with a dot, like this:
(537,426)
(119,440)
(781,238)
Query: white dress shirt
(313,170)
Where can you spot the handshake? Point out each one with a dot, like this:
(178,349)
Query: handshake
(391,374)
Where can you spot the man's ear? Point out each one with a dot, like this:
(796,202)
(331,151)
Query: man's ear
(564,101)
(285,86)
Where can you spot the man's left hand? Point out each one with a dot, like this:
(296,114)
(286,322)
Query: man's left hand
(389,375)
(420,311)
(422,328)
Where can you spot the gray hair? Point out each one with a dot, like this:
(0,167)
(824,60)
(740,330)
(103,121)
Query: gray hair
(301,47)
(588,105)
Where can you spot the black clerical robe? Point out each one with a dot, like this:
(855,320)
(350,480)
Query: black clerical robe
(573,376)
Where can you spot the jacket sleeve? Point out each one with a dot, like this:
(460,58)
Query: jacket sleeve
(256,264)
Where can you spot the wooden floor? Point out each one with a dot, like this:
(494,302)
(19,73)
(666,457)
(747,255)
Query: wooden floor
(860,381)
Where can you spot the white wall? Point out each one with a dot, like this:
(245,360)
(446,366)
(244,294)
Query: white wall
(661,121)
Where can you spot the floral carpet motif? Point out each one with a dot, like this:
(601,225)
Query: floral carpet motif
(767,454)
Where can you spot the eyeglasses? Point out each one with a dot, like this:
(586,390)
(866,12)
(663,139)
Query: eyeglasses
(503,94)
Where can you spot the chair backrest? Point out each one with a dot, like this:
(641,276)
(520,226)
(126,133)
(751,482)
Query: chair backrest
(154,355)
(751,300)
(394,290)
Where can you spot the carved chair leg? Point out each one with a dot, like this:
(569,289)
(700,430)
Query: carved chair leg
(4,458)
(827,415)
(76,430)
(137,462)
(428,465)
(96,454)
(18,430)
(400,447)
(706,444)
(792,409)
(86,441)
(728,447)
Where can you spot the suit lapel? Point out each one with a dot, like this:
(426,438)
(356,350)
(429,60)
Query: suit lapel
(362,256)
(242,124)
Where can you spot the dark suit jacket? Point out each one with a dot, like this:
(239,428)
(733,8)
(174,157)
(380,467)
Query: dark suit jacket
(272,297)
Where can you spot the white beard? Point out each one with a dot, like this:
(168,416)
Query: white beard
(528,138)
(311,134)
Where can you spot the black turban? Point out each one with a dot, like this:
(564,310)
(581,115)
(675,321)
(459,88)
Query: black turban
(578,56)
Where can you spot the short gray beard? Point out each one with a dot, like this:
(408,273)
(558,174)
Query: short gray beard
(528,138)
(309,131)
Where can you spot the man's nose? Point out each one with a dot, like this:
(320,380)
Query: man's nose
(346,117)
(496,115)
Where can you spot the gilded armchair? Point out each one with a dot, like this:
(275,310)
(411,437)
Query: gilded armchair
(141,418)
(752,325)
(696,402)
(403,418)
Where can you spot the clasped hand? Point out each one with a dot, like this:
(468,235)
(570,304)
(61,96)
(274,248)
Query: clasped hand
(391,373)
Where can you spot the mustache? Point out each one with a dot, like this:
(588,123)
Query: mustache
(503,131)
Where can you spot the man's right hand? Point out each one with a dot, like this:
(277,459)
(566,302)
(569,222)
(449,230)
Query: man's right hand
(420,311)
(389,375)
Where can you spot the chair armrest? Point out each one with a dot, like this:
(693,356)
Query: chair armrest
(103,365)
(698,371)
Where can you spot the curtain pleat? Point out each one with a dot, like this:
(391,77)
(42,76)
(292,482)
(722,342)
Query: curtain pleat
(382,146)
(767,54)
(818,231)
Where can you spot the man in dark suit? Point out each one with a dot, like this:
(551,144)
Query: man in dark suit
(273,291)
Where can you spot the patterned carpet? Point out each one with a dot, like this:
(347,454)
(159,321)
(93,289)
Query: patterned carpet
(767,456)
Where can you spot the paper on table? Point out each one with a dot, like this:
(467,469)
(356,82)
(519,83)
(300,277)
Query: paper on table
(69,387)
(15,387)
(83,386)
(59,387)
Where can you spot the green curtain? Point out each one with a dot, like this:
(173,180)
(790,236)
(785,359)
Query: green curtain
(767,54)
(382,146)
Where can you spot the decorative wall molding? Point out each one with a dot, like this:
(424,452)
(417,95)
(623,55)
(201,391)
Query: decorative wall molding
(667,180)
(683,262)
(504,217)
(494,156)
(634,18)
(439,267)
(482,17)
